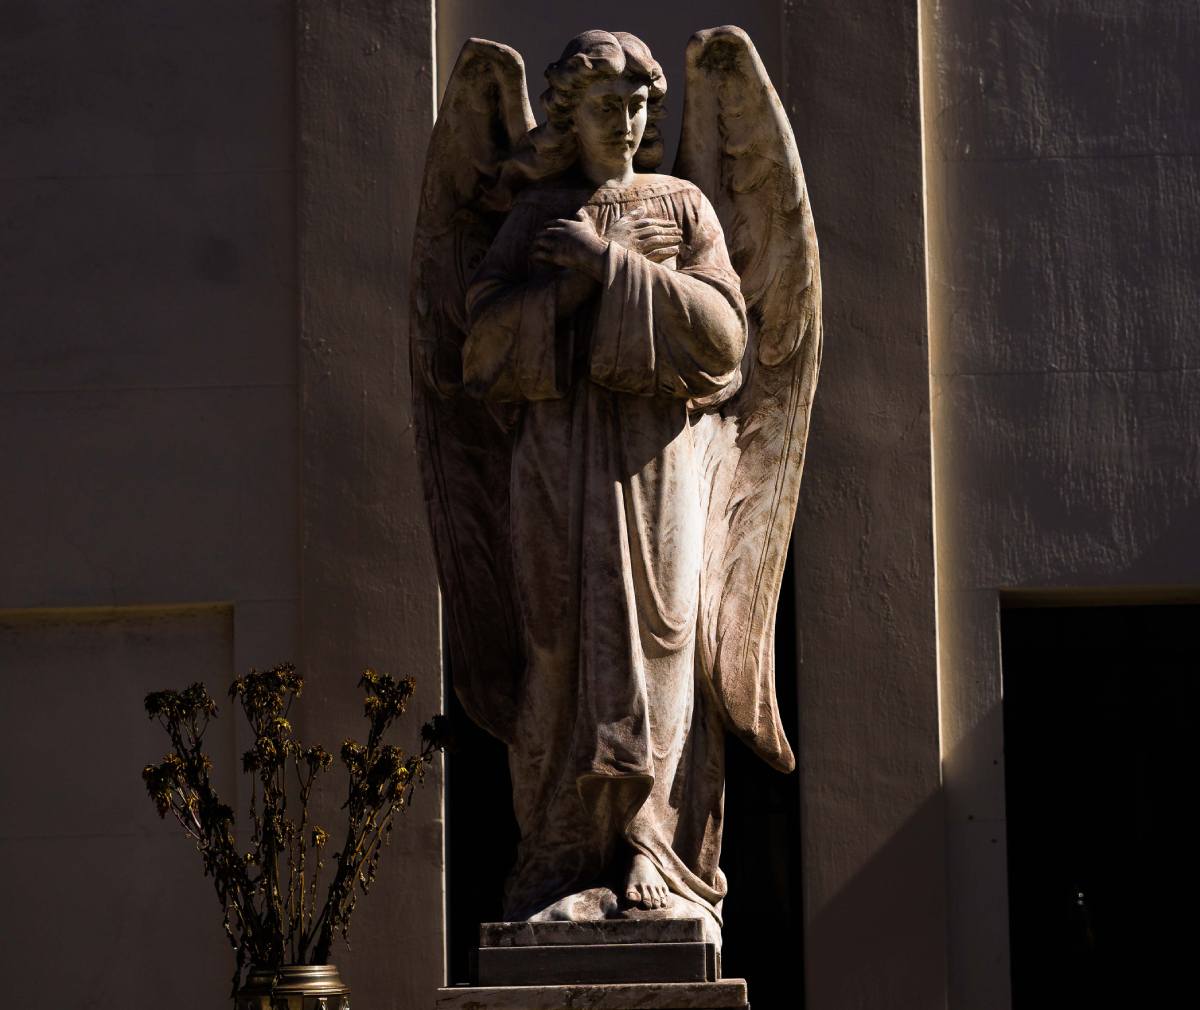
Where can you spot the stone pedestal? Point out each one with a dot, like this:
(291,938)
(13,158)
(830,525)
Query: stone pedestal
(611,964)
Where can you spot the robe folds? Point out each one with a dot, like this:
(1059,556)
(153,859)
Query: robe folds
(619,744)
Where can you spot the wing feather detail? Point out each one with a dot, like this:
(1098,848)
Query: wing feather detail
(737,146)
(464,454)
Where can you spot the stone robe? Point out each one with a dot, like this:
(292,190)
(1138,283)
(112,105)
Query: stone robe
(618,745)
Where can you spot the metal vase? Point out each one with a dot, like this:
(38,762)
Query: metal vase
(294,987)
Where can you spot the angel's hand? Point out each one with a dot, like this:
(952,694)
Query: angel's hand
(656,238)
(571,243)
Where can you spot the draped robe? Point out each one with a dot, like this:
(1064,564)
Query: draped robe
(618,745)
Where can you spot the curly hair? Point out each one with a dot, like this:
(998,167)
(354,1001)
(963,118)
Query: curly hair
(589,57)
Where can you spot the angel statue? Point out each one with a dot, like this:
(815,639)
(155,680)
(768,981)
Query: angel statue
(613,374)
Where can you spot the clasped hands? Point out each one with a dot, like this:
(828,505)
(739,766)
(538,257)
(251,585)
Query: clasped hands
(574,244)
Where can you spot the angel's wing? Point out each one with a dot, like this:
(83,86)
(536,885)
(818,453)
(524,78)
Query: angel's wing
(464,453)
(737,146)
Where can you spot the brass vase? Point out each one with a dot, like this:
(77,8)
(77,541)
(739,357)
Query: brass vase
(294,987)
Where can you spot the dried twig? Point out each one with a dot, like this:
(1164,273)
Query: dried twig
(269,893)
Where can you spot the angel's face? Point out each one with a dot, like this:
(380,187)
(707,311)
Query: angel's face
(609,122)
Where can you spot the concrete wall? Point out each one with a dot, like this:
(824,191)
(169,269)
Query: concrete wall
(368,587)
(871,811)
(101,895)
(148,428)
(1063,144)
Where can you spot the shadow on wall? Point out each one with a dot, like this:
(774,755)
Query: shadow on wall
(866,962)
(97,880)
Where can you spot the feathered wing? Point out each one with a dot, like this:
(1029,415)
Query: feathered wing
(737,146)
(464,452)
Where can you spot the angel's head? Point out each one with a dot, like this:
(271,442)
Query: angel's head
(605,99)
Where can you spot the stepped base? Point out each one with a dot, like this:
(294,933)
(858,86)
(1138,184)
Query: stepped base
(606,964)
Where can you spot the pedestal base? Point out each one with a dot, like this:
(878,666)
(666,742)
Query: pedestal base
(607,964)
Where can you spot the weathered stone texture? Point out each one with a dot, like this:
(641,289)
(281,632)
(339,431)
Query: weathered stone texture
(617,521)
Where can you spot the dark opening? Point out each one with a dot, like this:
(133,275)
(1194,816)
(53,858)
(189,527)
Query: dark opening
(764,936)
(760,856)
(481,834)
(1099,703)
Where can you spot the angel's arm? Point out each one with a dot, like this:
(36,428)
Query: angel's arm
(519,340)
(677,332)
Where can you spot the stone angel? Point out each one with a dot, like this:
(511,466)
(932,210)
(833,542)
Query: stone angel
(613,371)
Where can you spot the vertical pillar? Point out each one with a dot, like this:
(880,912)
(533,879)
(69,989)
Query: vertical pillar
(365,91)
(871,806)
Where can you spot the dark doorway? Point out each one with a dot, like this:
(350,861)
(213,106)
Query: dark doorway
(761,852)
(1099,704)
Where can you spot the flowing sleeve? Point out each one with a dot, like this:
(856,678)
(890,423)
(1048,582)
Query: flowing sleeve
(677,332)
(515,349)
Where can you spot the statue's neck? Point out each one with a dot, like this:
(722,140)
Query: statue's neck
(602,174)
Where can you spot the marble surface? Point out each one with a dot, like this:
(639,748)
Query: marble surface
(614,370)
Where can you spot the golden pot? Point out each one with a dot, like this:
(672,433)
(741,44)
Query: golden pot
(294,987)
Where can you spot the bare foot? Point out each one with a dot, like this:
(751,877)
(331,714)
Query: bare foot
(645,887)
